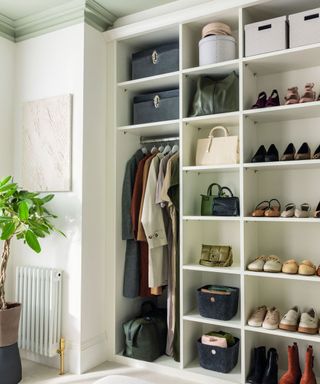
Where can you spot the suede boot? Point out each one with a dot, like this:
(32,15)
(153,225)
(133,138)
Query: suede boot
(308,376)
(293,374)
(271,373)
(258,366)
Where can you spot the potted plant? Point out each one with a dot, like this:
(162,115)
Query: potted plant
(24,216)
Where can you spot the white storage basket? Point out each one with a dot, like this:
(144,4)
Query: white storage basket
(266,36)
(304,28)
(216,48)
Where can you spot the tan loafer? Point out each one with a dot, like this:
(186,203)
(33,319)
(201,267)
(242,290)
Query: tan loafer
(260,209)
(274,208)
(290,266)
(307,268)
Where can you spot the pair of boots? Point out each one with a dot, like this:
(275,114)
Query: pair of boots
(264,370)
(293,375)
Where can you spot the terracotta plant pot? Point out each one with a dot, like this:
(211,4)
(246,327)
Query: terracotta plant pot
(9,324)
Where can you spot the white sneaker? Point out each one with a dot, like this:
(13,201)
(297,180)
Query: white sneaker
(257,317)
(273,264)
(257,264)
(272,319)
(309,322)
(290,320)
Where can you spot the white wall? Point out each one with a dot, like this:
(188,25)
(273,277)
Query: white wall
(50,65)
(94,265)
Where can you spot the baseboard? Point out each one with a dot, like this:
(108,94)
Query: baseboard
(93,352)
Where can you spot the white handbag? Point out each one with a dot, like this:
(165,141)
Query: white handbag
(218,150)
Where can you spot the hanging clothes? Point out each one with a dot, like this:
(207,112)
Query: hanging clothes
(132,260)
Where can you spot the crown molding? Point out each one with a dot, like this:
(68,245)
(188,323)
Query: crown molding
(70,13)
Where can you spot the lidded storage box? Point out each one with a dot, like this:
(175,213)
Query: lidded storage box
(215,49)
(304,28)
(156,106)
(155,61)
(217,358)
(266,36)
(218,301)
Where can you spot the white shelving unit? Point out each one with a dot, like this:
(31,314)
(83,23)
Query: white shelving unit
(292,181)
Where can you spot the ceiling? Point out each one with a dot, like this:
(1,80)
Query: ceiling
(15,9)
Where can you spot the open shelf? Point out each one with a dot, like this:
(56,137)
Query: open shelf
(196,317)
(315,279)
(228,118)
(152,83)
(234,269)
(284,165)
(211,218)
(160,128)
(281,333)
(217,69)
(283,219)
(212,168)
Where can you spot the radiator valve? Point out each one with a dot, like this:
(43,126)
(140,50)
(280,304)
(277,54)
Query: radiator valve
(60,351)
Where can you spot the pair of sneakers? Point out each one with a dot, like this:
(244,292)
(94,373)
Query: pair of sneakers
(267,318)
(263,263)
(307,322)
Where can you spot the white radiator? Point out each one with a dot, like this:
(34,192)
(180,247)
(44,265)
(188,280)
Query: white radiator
(39,292)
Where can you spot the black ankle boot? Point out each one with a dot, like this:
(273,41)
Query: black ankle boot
(258,366)
(271,372)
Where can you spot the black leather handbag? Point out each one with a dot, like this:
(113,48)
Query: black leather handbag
(224,205)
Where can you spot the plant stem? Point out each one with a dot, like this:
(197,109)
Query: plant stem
(3,272)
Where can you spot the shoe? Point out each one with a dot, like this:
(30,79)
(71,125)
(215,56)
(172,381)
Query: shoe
(316,154)
(289,210)
(257,366)
(290,320)
(318,271)
(307,268)
(257,264)
(317,212)
(261,102)
(309,93)
(257,317)
(273,210)
(309,322)
(273,264)
(272,154)
(303,212)
(292,96)
(304,152)
(273,99)
(259,155)
(271,373)
(308,376)
(272,319)
(261,209)
(290,267)
(289,153)
(293,374)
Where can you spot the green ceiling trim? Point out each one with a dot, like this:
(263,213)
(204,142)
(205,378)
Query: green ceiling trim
(71,13)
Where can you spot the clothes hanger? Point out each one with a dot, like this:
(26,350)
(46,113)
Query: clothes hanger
(175,149)
(161,148)
(144,150)
(167,149)
(154,149)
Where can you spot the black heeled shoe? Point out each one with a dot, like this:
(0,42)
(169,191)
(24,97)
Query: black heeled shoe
(259,155)
(316,154)
(289,153)
(304,152)
(272,154)
(317,212)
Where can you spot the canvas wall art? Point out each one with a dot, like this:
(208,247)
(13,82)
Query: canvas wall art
(46,144)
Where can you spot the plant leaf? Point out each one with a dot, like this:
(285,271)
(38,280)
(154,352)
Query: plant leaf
(5,219)
(47,198)
(23,211)
(32,241)
(8,231)
(5,180)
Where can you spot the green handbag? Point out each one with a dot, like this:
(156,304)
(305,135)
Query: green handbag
(216,256)
(207,200)
(216,95)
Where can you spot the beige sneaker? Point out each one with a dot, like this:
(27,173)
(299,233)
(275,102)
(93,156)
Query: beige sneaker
(309,322)
(257,317)
(273,264)
(290,320)
(257,264)
(272,319)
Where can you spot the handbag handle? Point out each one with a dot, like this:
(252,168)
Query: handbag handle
(209,191)
(219,128)
(225,188)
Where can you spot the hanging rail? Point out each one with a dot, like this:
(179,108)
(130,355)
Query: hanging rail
(144,140)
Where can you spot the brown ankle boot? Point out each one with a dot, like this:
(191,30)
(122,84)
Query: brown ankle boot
(293,374)
(308,376)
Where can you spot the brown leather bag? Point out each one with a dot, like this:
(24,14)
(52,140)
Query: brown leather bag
(216,256)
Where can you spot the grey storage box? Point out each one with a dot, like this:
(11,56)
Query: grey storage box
(215,49)
(217,358)
(218,306)
(304,28)
(156,106)
(155,61)
(266,36)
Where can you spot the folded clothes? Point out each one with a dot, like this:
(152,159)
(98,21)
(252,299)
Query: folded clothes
(224,335)
(214,341)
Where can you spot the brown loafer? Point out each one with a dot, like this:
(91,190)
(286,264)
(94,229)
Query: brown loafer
(290,267)
(260,209)
(307,268)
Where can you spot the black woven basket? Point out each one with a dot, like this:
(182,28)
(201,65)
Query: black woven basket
(218,359)
(215,306)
